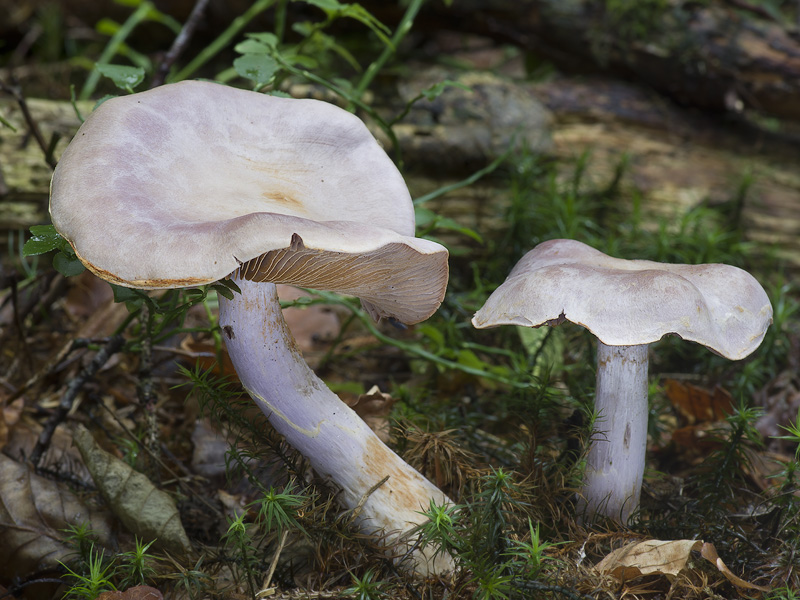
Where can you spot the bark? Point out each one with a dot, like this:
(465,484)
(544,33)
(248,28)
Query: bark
(714,55)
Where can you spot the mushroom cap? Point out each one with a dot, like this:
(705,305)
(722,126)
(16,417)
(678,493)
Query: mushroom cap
(180,185)
(631,302)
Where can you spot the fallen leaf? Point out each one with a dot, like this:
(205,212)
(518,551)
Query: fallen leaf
(34,511)
(140,592)
(696,438)
(646,558)
(144,509)
(667,558)
(60,455)
(374,408)
(209,449)
(709,552)
(8,418)
(310,325)
(697,404)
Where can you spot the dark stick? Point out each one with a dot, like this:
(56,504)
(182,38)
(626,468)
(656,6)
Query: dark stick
(112,347)
(3,186)
(180,43)
(32,126)
(147,395)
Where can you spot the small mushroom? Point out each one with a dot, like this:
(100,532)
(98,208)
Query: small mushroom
(193,182)
(627,304)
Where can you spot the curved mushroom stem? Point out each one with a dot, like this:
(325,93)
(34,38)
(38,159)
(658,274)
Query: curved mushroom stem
(615,468)
(334,439)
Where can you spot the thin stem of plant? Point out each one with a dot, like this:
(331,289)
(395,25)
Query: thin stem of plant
(222,40)
(112,347)
(139,15)
(402,30)
(180,43)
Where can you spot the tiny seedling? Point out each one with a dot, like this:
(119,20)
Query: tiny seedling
(136,566)
(366,587)
(94,578)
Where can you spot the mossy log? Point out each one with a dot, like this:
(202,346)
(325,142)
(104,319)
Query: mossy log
(676,159)
(726,55)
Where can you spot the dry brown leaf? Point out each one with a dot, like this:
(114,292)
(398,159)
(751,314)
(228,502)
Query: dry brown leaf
(646,558)
(699,405)
(33,513)
(144,509)
(311,326)
(140,592)
(60,455)
(696,438)
(709,552)
(660,557)
(8,418)
(209,449)
(374,408)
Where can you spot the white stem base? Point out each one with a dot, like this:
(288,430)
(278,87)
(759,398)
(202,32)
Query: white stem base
(616,457)
(335,440)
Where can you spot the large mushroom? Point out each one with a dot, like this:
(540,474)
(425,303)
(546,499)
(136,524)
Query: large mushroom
(193,182)
(627,304)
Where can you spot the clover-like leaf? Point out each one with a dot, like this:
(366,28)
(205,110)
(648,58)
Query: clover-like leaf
(124,77)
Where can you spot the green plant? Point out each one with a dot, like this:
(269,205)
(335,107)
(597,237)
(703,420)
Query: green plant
(280,510)
(530,553)
(91,578)
(782,593)
(81,538)
(44,239)
(441,528)
(366,587)
(92,571)
(136,566)
(238,538)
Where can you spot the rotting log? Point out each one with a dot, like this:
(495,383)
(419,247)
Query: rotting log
(720,55)
(677,159)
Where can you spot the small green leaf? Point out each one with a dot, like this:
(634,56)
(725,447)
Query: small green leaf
(68,265)
(127,295)
(124,77)
(268,39)
(44,238)
(258,67)
(223,291)
(335,10)
(228,284)
(252,47)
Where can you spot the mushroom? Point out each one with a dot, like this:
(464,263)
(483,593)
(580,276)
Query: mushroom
(627,304)
(193,182)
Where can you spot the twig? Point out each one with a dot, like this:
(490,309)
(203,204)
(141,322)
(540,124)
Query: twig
(755,9)
(147,396)
(52,365)
(32,126)
(175,476)
(364,498)
(18,320)
(274,562)
(179,45)
(112,347)
(3,185)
